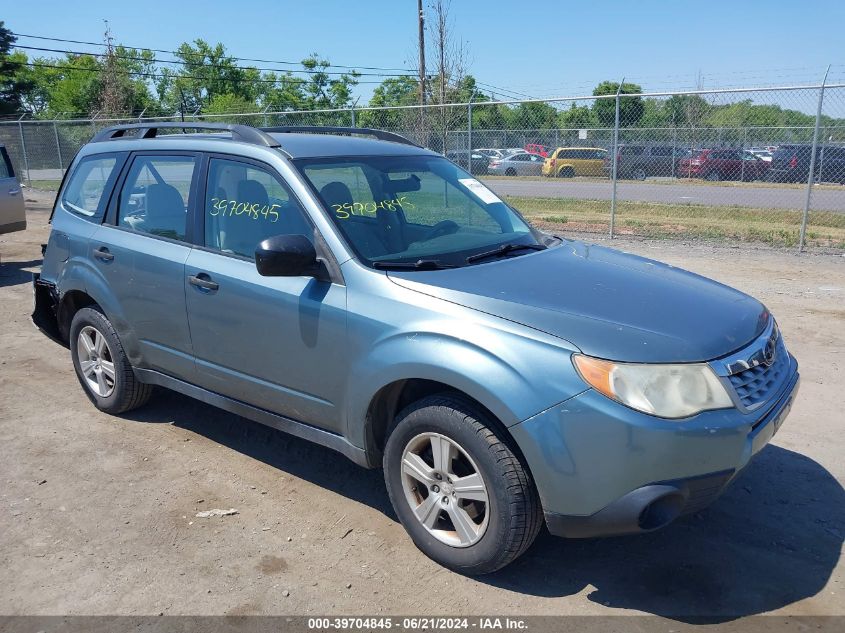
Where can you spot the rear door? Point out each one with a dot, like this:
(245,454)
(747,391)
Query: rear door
(12,212)
(141,252)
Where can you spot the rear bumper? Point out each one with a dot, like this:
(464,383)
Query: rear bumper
(602,469)
(45,302)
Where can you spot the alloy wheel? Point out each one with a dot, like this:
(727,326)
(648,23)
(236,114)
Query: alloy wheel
(96,361)
(445,489)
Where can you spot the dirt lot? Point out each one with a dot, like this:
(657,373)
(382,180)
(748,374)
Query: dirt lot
(97,513)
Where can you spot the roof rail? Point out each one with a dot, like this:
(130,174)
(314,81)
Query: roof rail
(364,131)
(243,133)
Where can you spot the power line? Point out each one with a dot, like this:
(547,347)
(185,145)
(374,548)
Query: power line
(241,59)
(162,75)
(185,63)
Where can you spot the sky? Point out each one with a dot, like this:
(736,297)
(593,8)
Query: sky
(533,49)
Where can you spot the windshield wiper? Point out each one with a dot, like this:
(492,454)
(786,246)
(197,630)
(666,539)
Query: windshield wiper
(503,250)
(420,264)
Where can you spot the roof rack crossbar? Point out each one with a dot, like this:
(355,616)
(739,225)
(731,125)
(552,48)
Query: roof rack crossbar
(243,133)
(317,129)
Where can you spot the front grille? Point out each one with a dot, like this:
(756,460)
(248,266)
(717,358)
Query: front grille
(758,384)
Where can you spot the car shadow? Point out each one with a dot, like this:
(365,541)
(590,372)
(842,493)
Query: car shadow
(772,539)
(295,456)
(14,273)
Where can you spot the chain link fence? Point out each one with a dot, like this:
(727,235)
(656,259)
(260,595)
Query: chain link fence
(743,165)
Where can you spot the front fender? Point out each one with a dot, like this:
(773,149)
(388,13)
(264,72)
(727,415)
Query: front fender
(513,377)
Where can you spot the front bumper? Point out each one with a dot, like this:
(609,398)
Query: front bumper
(603,469)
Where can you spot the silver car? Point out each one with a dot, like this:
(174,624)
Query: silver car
(518,164)
(12,213)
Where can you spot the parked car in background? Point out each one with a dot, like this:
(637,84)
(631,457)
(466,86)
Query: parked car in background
(791,163)
(12,209)
(536,148)
(519,164)
(723,164)
(638,162)
(761,153)
(490,152)
(478,161)
(566,162)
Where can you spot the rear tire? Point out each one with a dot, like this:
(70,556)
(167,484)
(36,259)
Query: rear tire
(101,364)
(566,172)
(486,534)
(510,171)
(713,176)
(638,174)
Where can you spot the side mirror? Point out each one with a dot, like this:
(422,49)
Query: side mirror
(287,256)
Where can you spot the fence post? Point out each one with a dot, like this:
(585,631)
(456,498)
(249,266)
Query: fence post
(23,150)
(352,113)
(615,160)
(469,134)
(811,176)
(742,155)
(58,146)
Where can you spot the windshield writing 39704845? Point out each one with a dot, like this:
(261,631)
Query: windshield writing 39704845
(344,211)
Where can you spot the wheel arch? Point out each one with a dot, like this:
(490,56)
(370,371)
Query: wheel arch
(392,398)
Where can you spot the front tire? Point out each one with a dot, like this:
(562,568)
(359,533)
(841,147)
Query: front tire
(459,490)
(101,364)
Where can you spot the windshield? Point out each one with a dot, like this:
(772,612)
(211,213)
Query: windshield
(407,209)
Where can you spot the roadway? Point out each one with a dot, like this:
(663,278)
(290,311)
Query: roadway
(672,192)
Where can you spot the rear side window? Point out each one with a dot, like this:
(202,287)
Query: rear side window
(661,151)
(631,150)
(87,189)
(155,195)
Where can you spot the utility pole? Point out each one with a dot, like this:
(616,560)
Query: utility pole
(421,19)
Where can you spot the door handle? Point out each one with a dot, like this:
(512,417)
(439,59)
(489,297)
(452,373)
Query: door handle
(203,282)
(103,254)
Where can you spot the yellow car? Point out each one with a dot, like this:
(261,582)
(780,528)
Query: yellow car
(566,162)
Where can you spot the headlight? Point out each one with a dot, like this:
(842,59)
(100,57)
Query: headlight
(666,391)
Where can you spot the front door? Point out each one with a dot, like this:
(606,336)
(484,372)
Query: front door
(273,342)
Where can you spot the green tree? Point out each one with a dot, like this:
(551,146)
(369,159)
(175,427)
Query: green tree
(688,110)
(206,72)
(631,109)
(533,115)
(576,117)
(13,83)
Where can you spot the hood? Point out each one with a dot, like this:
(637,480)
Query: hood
(609,304)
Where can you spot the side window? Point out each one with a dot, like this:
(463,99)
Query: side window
(246,204)
(661,151)
(86,191)
(154,197)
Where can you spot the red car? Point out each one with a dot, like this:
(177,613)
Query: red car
(536,148)
(722,164)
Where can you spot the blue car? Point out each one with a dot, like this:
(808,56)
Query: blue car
(349,287)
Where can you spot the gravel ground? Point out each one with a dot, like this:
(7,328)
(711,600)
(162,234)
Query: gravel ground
(98,513)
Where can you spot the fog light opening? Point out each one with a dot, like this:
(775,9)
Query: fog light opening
(661,512)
